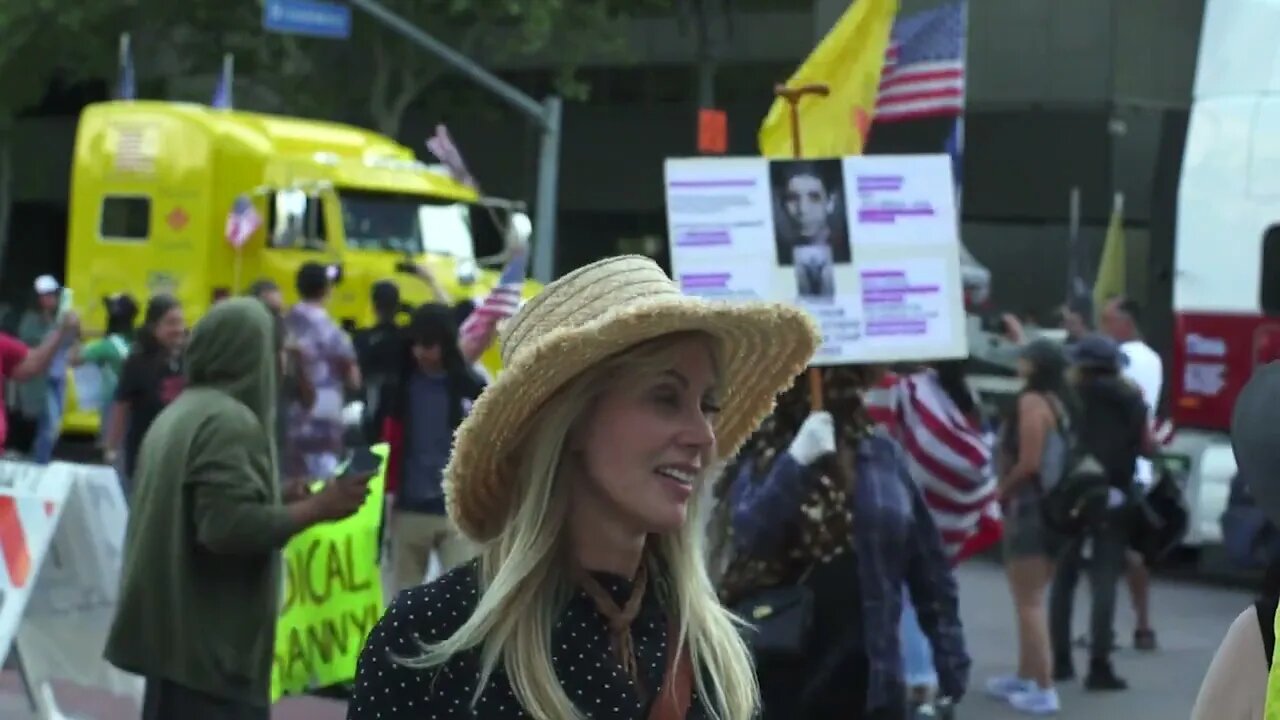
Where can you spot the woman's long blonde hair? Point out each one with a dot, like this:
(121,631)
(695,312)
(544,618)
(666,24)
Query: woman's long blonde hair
(525,581)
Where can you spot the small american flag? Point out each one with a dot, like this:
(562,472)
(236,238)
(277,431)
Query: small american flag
(441,145)
(480,327)
(242,222)
(924,71)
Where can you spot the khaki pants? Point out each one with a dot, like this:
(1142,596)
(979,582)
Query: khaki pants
(414,536)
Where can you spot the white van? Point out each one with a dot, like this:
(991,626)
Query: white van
(1226,288)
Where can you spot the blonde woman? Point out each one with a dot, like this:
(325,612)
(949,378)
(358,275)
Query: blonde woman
(578,472)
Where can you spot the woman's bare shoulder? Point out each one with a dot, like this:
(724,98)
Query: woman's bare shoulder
(1034,404)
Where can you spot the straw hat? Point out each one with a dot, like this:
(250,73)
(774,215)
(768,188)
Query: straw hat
(587,316)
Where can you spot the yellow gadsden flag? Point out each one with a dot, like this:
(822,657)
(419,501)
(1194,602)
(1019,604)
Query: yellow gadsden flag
(1111,270)
(848,60)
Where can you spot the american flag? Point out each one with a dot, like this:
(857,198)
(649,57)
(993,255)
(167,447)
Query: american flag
(948,457)
(480,327)
(441,145)
(924,68)
(242,222)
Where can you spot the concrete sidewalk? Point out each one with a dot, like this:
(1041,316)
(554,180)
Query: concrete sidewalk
(1190,617)
(87,704)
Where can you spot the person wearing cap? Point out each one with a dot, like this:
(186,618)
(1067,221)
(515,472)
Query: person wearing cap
(579,473)
(108,354)
(1121,320)
(1112,429)
(1241,682)
(21,364)
(316,433)
(42,397)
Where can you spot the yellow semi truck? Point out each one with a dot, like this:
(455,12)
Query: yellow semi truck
(153,185)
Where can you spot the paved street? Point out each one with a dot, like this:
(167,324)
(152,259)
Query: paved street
(1191,620)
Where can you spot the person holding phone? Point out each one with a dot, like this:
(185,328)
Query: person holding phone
(43,396)
(200,584)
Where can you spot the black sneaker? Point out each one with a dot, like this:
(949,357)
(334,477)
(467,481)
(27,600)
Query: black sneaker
(1064,671)
(1145,640)
(1102,678)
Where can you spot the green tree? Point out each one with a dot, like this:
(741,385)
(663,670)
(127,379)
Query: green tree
(376,76)
(705,16)
(41,40)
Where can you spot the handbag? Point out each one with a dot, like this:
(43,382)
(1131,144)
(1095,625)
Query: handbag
(1162,519)
(1076,488)
(779,619)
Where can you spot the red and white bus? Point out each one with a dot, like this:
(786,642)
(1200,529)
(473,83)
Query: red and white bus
(1226,285)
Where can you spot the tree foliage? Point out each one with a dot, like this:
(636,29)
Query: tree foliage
(377,75)
(385,73)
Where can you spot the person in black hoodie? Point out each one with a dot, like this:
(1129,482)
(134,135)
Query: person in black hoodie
(1113,430)
(419,413)
(379,351)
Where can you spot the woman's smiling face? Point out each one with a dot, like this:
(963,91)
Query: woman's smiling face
(649,439)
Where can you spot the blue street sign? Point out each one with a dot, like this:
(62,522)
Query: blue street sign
(314,18)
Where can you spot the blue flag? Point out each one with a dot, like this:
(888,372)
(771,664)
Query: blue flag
(126,88)
(222,92)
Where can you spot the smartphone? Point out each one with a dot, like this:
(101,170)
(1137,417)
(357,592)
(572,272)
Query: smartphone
(66,301)
(363,462)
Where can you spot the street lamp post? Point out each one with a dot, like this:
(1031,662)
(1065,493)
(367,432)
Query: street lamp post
(546,114)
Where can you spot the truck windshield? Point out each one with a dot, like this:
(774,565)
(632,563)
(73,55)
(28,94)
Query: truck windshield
(408,224)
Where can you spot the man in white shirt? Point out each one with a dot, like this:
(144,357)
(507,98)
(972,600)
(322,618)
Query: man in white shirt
(1121,319)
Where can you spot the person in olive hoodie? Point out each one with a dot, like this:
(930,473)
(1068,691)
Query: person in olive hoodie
(200,585)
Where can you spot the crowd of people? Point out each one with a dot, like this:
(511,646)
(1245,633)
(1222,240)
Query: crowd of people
(648,471)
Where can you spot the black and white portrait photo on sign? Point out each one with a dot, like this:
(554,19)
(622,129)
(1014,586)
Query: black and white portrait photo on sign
(815,271)
(809,209)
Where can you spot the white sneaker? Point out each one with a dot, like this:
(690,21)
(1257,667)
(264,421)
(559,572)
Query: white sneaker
(1036,701)
(1003,687)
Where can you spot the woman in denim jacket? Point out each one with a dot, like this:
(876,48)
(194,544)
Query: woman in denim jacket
(821,498)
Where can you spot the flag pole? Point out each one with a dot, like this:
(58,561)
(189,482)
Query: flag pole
(793,96)
(1076,270)
(124,89)
(228,78)
(964,102)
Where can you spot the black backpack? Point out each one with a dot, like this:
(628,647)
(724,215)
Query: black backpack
(1077,499)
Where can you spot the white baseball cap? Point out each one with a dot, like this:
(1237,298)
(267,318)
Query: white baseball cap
(46,285)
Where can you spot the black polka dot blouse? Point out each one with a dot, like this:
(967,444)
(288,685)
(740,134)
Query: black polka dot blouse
(584,663)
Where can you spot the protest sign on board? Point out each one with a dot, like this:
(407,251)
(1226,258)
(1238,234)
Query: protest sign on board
(332,597)
(868,245)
